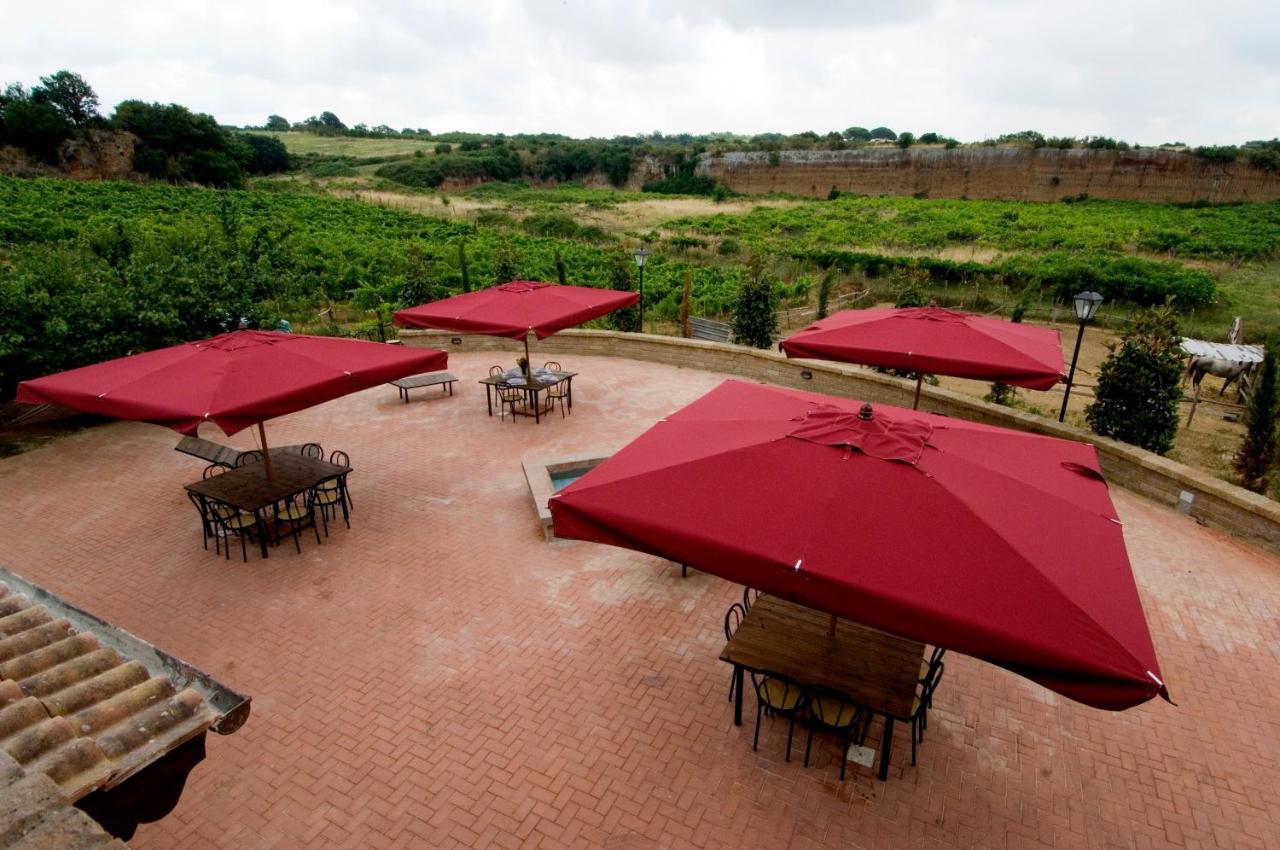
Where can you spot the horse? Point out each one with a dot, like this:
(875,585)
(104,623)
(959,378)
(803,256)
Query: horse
(1228,370)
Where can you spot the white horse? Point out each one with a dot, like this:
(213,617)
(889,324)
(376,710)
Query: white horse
(1228,370)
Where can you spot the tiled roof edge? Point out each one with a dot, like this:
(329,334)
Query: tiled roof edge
(231,707)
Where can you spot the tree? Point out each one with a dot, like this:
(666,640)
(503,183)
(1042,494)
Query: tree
(883,133)
(685,298)
(628,318)
(328,119)
(561,274)
(269,154)
(463,270)
(755,318)
(417,287)
(824,291)
(506,263)
(1257,454)
(906,140)
(277,122)
(34,126)
(69,95)
(179,145)
(857,134)
(1138,390)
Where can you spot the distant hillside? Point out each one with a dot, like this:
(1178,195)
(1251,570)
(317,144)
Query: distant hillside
(997,173)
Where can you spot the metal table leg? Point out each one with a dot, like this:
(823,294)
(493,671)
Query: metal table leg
(488,398)
(262,531)
(739,676)
(537,407)
(886,747)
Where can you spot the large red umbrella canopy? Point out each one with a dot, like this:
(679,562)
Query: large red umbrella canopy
(936,341)
(998,544)
(513,309)
(234,380)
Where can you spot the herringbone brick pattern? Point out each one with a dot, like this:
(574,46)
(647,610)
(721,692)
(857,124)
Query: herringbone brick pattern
(437,676)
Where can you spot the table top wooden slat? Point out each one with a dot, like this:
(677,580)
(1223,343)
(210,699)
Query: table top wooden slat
(248,488)
(876,669)
(427,379)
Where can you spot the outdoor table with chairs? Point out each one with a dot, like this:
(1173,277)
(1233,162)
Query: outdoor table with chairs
(526,395)
(235,502)
(838,681)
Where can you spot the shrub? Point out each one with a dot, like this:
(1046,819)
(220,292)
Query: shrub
(269,154)
(562,275)
(755,316)
(1139,384)
(906,140)
(444,147)
(728,247)
(824,291)
(1257,454)
(506,263)
(620,278)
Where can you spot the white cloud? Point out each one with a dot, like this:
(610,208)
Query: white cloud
(1144,71)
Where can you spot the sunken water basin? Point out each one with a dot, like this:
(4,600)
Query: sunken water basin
(550,475)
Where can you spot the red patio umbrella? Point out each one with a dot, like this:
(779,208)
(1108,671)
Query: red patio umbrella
(234,380)
(516,308)
(998,544)
(934,340)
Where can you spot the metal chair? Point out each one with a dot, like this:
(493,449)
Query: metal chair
(559,392)
(232,523)
(836,712)
(246,458)
(298,513)
(340,458)
(919,706)
(330,495)
(496,371)
(509,396)
(749,595)
(312,450)
(213,469)
(781,695)
(935,658)
(733,619)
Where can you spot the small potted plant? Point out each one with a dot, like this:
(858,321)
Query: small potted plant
(522,363)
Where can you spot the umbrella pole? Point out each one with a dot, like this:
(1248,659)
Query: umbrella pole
(528,366)
(915,405)
(266,454)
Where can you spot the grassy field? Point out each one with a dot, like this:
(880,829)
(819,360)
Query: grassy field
(312,144)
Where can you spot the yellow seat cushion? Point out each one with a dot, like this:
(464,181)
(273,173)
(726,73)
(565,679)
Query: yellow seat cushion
(328,497)
(833,712)
(327,485)
(293,513)
(778,697)
(240,522)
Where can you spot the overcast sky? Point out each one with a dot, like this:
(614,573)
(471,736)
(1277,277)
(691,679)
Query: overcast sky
(1148,72)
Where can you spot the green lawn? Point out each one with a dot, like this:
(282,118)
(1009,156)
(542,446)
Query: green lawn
(312,144)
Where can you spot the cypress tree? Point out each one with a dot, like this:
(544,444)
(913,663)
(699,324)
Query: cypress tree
(1257,453)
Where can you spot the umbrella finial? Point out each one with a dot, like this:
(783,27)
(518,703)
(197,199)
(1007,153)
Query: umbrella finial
(865,412)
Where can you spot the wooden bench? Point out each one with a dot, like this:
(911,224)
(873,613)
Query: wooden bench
(209,451)
(709,329)
(444,380)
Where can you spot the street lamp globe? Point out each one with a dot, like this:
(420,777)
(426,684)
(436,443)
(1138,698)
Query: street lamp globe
(641,254)
(1087,304)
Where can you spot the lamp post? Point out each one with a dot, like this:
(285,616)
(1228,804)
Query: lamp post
(1086,304)
(641,255)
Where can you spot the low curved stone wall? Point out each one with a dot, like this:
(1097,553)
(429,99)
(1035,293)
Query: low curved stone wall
(1216,503)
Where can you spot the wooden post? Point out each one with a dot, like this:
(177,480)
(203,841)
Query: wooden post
(266,453)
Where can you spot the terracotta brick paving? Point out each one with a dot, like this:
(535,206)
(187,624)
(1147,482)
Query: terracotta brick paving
(438,676)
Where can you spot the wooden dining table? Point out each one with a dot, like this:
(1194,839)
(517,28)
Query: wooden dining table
(877,670)
(532,389)
(248,489)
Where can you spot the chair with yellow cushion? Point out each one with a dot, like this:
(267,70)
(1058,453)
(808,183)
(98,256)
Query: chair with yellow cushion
(559,392)
(298,513)
(233,523)
(836,712)
(330,495)
(781,695)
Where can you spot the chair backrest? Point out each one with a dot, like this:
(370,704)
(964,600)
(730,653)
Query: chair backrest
(212,470)
(733,619)
(496,371)
(749,596)
(830,707)
(251,456)
(201,505)
(930,682)
(339,458)
(552,366)
(778,692)
(312,450)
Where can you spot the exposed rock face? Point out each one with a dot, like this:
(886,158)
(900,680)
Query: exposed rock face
(98,155)
(1007,173)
